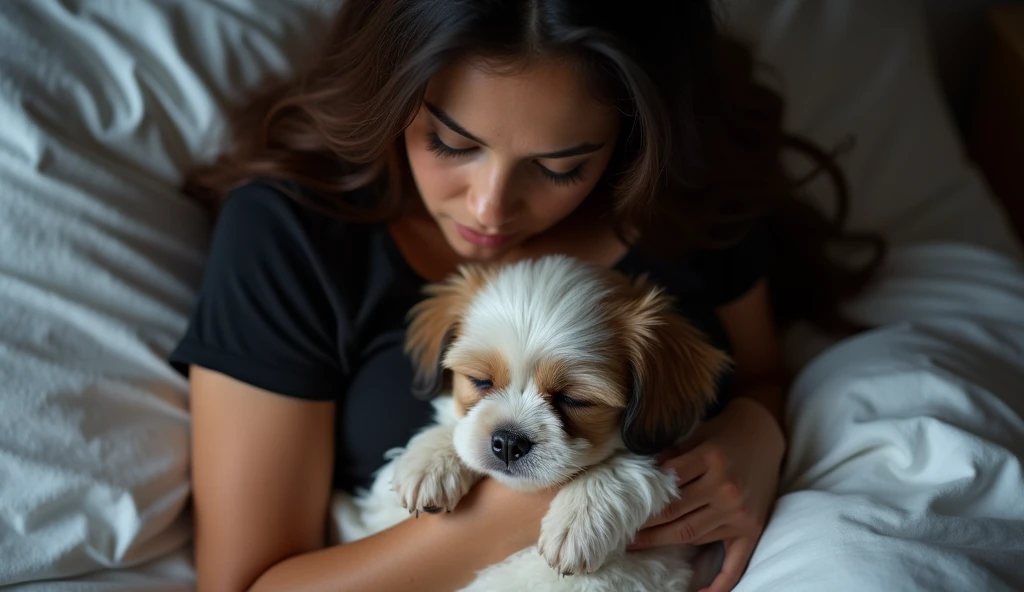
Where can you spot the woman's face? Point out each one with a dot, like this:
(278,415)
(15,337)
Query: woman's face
(501,156)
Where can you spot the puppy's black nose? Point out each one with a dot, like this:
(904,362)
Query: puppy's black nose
(509,446)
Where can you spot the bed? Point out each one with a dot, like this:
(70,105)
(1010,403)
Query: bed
(904,470)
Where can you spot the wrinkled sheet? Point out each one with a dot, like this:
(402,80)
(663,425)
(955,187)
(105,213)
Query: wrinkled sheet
(904,464)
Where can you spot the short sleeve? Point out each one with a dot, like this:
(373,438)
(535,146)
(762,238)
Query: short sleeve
(729,273)
(263,314)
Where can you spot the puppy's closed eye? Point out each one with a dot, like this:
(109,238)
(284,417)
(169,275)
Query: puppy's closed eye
(563,400)
(481,384)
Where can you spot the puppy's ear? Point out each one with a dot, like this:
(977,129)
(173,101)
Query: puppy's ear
(434,325)
(674,371)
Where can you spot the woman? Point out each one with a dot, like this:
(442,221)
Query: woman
(428,133)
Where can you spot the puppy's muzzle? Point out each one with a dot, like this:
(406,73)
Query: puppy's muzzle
(509,446)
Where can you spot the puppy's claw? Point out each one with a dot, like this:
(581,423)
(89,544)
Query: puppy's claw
(431,481)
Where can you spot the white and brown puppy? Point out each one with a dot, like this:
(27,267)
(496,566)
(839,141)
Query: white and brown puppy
(550,373)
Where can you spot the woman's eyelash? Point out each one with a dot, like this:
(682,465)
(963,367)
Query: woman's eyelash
(571,178)
(435,145)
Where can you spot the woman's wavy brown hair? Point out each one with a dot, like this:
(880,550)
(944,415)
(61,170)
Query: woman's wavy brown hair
(698,164)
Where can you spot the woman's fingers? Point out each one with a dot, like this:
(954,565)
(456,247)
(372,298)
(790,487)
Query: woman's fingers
(682,531)
(689,501)
(737,554)
(691,498)
(687,467)
(723,532)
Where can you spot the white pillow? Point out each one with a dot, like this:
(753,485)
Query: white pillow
(864,68)
(103,104)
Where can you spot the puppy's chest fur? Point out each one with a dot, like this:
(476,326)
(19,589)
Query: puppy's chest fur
(584,533)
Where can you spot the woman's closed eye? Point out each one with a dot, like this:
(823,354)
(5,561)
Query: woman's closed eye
(435,145)
(442,150)
(568,178)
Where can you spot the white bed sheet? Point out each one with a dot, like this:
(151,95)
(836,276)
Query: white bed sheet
(103,103)
(173,572)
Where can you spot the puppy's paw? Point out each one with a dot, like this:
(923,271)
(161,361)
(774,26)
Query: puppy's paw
(577,535)
(596,514)
(564,550)
(430,478)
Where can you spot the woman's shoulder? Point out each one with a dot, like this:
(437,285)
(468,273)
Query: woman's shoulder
(265,206)
(264,313)
(732,270)
(268,230)
(721,273)
(263,218)
(279,287)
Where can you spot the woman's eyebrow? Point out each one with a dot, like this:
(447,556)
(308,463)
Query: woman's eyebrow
(585,148)
(451,124)
(581,149)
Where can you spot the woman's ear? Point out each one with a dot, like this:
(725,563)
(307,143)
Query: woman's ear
(434,325)
(674,369)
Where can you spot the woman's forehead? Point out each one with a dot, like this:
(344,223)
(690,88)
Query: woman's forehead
(545,104)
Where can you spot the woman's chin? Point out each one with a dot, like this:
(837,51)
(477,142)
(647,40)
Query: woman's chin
(471,252)
(481,253)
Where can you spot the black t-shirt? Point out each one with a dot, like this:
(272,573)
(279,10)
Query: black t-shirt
(306,306)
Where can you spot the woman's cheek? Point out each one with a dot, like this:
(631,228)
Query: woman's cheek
(435,180)
(552,207)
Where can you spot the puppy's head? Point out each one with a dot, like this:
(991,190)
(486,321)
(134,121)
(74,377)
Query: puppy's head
(554,365)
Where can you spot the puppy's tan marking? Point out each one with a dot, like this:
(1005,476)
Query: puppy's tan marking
(675,369)
(436,318)
(484,366)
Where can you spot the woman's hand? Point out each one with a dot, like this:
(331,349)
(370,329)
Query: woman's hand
(517,515)
(729,479)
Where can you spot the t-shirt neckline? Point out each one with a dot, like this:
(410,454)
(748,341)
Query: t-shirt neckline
(622,265)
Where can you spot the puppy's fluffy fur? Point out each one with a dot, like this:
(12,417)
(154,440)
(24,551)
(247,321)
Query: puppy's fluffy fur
(550,373)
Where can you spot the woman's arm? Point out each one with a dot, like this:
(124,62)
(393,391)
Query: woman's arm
(261,489)
(760,371)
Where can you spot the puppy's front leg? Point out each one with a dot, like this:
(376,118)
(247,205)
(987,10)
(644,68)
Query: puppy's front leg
(599,511)
(429,476)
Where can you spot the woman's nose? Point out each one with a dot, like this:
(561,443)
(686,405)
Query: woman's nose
(490,198)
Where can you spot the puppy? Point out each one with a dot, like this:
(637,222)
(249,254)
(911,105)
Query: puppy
(550,373)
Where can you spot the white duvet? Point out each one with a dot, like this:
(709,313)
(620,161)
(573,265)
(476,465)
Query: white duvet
(904,470)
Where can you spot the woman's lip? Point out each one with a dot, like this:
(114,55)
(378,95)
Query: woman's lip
(482,240)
